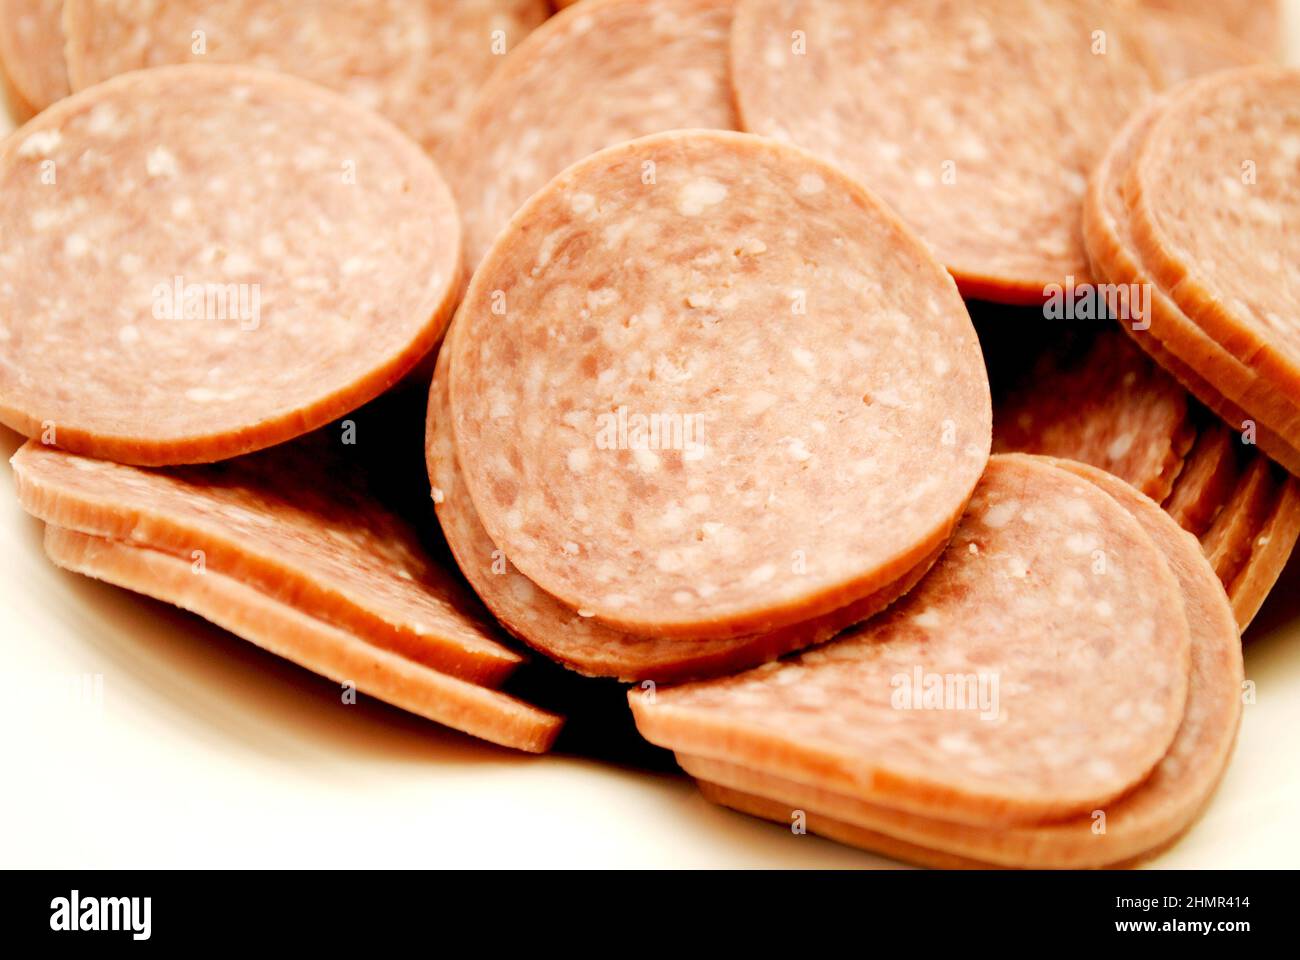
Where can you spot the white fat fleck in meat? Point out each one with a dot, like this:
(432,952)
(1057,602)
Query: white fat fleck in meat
(579,459)
(1000,514)
(42,143)
(811,184)
(161,162)
(804,359)
(697,195)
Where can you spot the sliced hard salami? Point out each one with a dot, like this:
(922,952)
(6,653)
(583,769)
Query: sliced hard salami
(589,78)
(946,83)
(1228,541)
(1135,825)
(583,643)
(418,62)
(286,631)
(1050,586)
(31,55)
(1211,197)
(203,261)
(293,523)
(1098,399)
(705,385)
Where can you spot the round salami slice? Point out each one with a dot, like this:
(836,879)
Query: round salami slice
(1144,820)
(591,77)
(705,385)
(31,54)
(582,643)
(1039,671)
(1212,198)
(418,62)
(915,98)
(293,522)
(203,261)
(327,650)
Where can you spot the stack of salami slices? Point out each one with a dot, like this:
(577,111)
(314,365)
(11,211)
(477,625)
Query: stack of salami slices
(994,717)
(706,402)
(1193,202)
(1091,395)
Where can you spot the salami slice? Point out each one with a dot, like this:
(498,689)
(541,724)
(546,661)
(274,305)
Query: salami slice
(322,648)
(293,523)
(1092,670)
(418,62)
(1257,22)
(1228,541)
(203,261)
(946,83)
(1207,479)
(582,643)
(1099,399)
(589,78)
(31,55)
(1232,389)
(735,398)
(1211,196)
(1270,550)
(1136,824)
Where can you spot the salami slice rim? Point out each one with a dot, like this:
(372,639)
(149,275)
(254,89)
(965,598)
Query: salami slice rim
(139,379)
(628,583)
(1153,815)
(1206,481)
(323,649)
(33,77)
(231,520)
(583,644)
(1197,296)
(738,720)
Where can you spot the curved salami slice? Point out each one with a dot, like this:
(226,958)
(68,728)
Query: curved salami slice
(735,398)
(1228,541)
(1103,402)
(1051,587)
(589,78)
(1270,550)
(1233,390)
(1206,481)
(1212,199)
(31,54)
(293,523)
(1138,823)
(203,261)
(324,649)
(946,83)
(583,643)
(420,63)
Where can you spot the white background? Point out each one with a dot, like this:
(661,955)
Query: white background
(209,753)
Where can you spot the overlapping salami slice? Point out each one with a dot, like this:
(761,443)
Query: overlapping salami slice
(286,631)
(583,643)
(418,62)
(32,69)
(1098,399)
(1257,22)
(589,78)
(1207,479)
(705,386)
(201,261)
(1050,592)
(1134,826)
(915,98)
(295,524)
(1211,197)
(1236,389)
